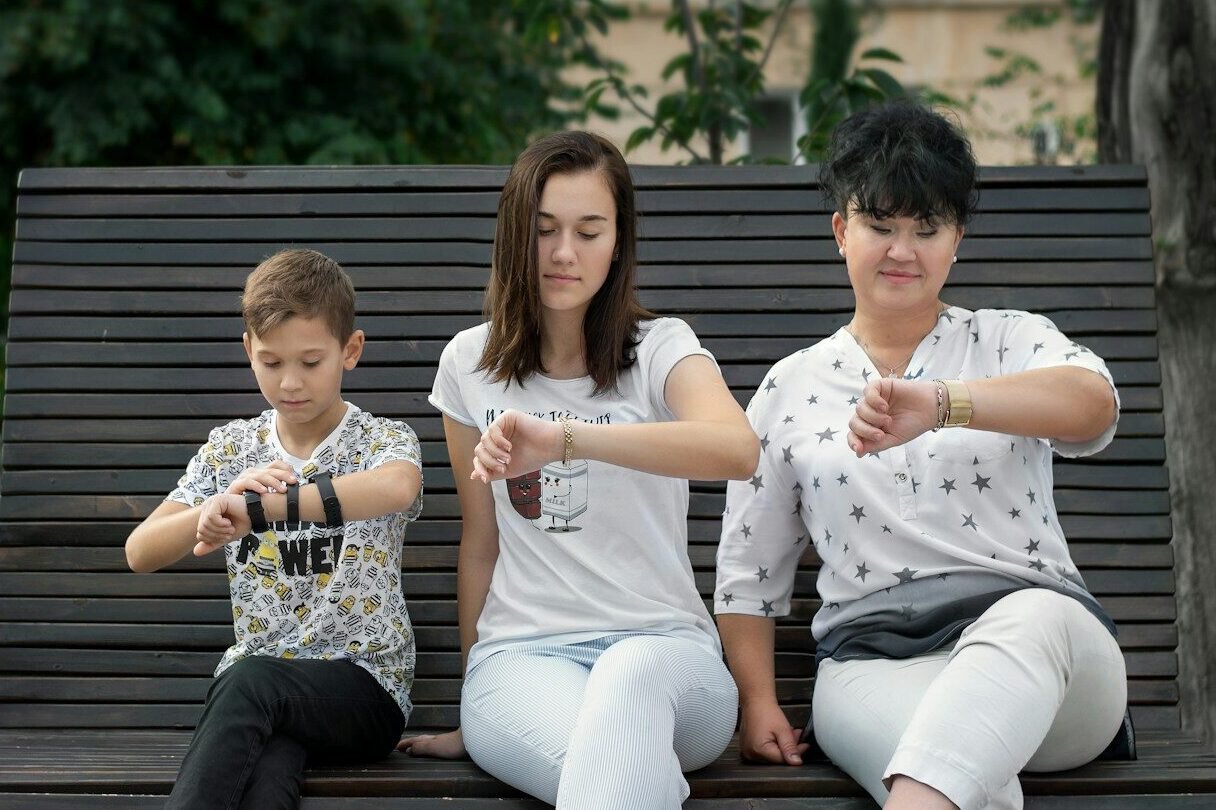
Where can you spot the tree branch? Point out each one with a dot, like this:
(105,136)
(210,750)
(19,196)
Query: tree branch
(782,10)
(690,31)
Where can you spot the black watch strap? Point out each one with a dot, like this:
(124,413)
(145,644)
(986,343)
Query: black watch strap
(293,505)
(329,499)
(257,515)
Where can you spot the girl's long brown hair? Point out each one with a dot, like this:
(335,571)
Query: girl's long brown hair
(610,327)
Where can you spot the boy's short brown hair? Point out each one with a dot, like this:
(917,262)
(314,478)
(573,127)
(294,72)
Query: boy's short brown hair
(301,284)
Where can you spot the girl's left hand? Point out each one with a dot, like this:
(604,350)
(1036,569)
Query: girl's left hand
(891,413)
(514,444)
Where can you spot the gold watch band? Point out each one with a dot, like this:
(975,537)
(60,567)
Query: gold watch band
(958,406)
(567,440)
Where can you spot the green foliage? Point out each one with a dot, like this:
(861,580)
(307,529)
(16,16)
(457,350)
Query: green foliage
(832,92)
(1013,65)
(185,82)
(721,74)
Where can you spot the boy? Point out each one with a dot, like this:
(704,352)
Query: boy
(310,501)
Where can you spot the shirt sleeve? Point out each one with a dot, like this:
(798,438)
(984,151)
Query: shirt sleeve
(1034,342)
(396,441)
(445,393)
(200,480)
(763,534)
(666,343)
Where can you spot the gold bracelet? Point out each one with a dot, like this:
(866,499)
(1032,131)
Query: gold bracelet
(958,412)
(940,390)
(567,440)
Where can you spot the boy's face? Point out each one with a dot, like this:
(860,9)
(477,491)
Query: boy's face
(298,366)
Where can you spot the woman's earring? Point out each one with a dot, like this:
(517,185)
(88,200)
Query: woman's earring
(955,260)
(840,251)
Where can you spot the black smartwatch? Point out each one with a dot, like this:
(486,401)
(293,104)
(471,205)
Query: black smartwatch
(329,499)
(257,516)
(293,505)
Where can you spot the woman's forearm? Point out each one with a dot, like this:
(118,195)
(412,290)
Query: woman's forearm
(1064,403)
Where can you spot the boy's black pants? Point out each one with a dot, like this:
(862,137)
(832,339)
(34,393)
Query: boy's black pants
(265,717)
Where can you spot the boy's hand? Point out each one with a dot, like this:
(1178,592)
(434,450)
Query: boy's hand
(441,746)
(274,477)
(514,444)
(222,519)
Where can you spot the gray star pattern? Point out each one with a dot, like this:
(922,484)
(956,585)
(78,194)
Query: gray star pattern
(858,512)
(981,483)
(843,479)
(826,435)
(771,384)
(761,574)
(787,454)
(1033,546)
(727,598)
(1037,564)
(766,607)
(969,521)
(861,572)
(757,482)
(948,485)
(907,575)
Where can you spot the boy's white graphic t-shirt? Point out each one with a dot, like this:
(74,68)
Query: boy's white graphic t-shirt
(311,590)
(588,549)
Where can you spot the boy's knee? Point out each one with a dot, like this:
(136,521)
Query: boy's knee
(245,680)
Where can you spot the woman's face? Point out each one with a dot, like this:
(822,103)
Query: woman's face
(575,240)
(897,263)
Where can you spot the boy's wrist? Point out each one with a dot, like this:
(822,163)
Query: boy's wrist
(254,508)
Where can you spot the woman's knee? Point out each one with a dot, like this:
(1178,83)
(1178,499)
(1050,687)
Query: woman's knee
(1030,620)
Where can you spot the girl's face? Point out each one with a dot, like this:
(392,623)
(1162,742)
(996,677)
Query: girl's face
(897,263)
(575,240)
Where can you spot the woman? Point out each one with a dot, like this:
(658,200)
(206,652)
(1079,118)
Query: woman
(593,671)
(957,643)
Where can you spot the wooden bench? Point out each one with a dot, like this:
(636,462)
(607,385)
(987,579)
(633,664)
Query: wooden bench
(124,350)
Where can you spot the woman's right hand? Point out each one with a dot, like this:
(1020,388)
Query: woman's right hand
(449,745)
(765,735)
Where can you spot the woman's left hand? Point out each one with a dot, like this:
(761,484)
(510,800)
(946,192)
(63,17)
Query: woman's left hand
(514,444)
(891,413)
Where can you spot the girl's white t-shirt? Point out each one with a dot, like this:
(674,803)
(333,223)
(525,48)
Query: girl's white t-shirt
(590,549)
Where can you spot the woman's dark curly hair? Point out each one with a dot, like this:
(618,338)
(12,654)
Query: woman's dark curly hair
(900,159)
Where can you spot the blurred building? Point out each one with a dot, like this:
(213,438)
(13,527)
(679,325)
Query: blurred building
(946,45)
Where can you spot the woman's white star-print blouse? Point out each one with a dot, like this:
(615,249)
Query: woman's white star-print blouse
(911,531)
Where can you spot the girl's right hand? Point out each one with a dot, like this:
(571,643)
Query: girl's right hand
(440,746)
(515,444)
(274,477)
